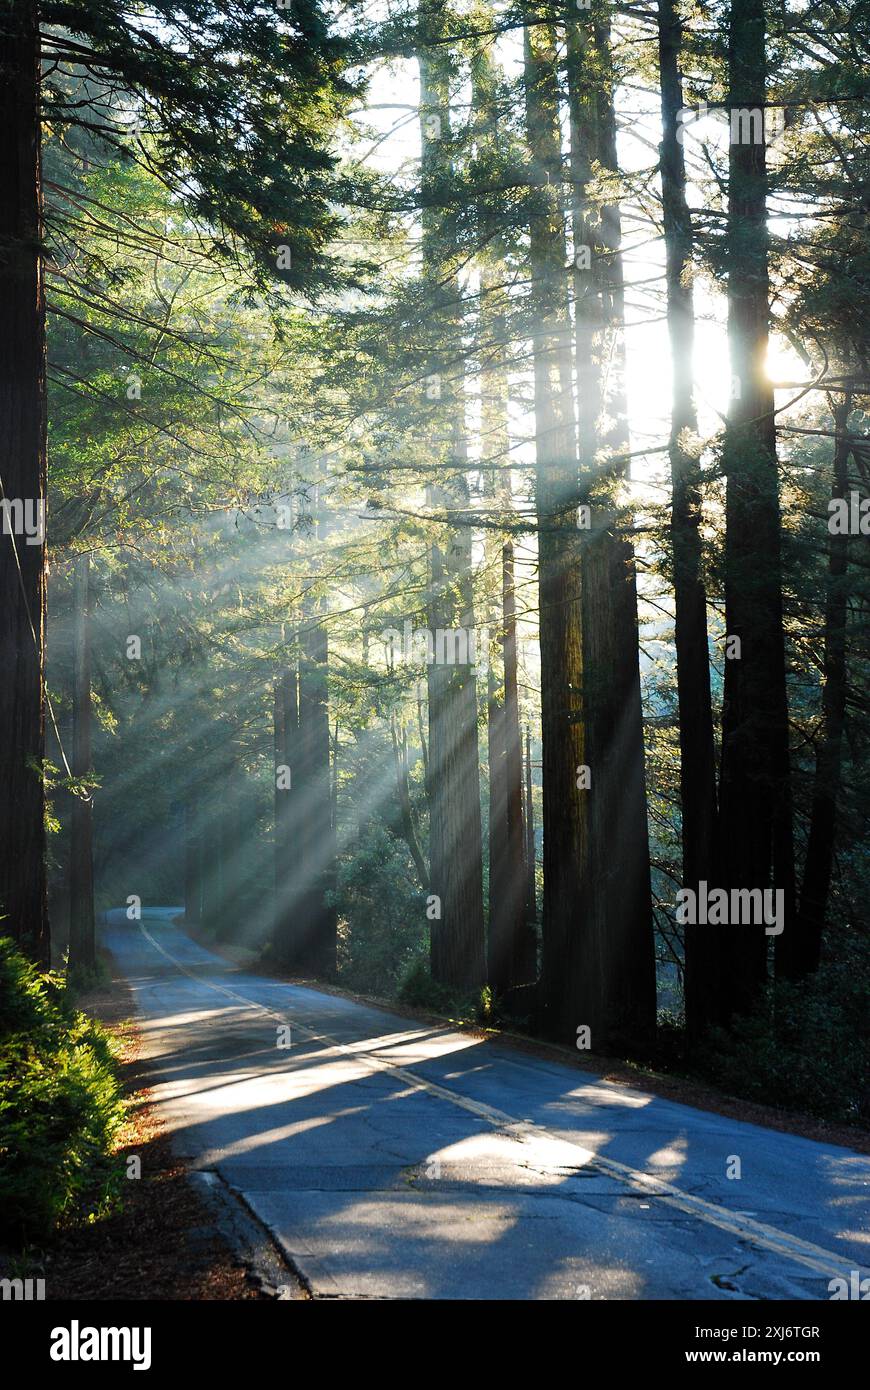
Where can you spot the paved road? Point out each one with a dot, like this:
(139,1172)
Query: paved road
(392,1159)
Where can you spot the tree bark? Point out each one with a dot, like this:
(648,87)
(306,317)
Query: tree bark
(755,817)
(192,865)
(566,905)
(617,998)
(513,950)
(212,846)
(496,971)
(530,855)
(231,832)
(588,321)
(403,794)
(315,929)
(511,945)
(697,749)
(802,954)
(23,475)
(82,944)
(458,951)
(609,265)
(289,823)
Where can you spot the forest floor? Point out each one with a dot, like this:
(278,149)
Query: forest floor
(162,1243)
(686,1090)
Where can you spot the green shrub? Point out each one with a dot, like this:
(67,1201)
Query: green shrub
(670,1045)
(418,990)
(60,1105)
(82,979)
(809,1048)
(382,914)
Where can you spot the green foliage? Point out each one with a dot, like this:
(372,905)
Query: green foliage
(241,135)
(60,1105)
(809,1049)
(418,990)
(382,918)
(486,1010)
(81,978)
(670,1045)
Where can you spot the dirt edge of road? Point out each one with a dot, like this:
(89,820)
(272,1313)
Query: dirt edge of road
(212,1252)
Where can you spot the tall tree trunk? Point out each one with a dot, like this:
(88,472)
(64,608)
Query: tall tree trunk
(755,819)
(530,855)
(315,930)
(588,319)
(609,266)
(192,864)
(403,794)
(232,852)
(281,793)
(211,847)
(209,871)
(801,955)
(499,937)
(618,997)
(455,831)
(523,938)
(512,952)
(82,945)
(289,823)
(563,995)
(333,805)
(697,750)
(23,477)
(279,777)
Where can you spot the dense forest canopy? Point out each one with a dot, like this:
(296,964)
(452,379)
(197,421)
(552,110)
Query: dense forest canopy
(455,456)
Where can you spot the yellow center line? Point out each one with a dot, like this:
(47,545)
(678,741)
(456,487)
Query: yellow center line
(803,1252)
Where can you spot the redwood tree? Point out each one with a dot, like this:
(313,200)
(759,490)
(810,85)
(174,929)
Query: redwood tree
(23,479)
(453,781)
(82,945)
(697,750)
(755,817)
(566,963)
(617,996)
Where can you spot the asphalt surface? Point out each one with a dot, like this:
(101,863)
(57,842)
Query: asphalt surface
(394,1159)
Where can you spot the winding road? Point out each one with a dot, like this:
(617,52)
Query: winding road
(390,1158)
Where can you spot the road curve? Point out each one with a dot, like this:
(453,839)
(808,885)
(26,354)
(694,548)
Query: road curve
(394,1159)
